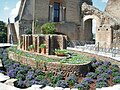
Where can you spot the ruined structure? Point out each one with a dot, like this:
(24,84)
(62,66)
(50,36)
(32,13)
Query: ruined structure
(73,18)
(66,13)
(107,31)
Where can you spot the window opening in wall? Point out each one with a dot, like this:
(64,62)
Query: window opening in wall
(56,11)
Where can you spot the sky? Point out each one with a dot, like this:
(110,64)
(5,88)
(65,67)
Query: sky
(10,8)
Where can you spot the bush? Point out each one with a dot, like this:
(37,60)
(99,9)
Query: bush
(20,77)
(107,63)
(48,28)
(116,80)
(93,60)
(55,79)
(62,84)
(101,84)
(39,72)
(92,75)
(109,71)
(88,80)
(114,74)
(101,79)
(20,84)
(99,71)
(71,80)
(104,67)
(49,74)
(104,75)
(40,77)
(43,82)
(82,86)
(97,64)
(30,75)
(12,73)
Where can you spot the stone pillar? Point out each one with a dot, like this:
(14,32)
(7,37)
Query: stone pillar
(23,46)
(26,42)
(35,42)
(63,14)
(30,42)
(21,42)
(38,43)
(50,13)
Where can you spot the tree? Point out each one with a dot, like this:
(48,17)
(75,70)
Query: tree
(3,32)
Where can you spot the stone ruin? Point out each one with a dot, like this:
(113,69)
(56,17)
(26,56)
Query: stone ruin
(52,42)
(108,23)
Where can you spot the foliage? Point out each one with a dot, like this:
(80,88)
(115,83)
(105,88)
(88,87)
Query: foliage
(49,74)
(31,47)
(12,73)
(101,84)
(82,86)
(107,63)
(101,79)
(92,75)
(61,83)
(104,75)
(20,84)
(55,79)
(40,77)
(109,71)
(114,68)
(88,80)
(114,74)
(20,77)
(99,71)
(42,46)
(3,32)
(59,51)
(116,80)
(48,28)
(71,80)
(77,59)
(28,31)
(30,75)
(97,64)
(93,60)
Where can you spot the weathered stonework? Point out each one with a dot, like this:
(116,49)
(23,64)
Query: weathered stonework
(107,31)
(42,11)
(52,42)
(113,8)
(65,69)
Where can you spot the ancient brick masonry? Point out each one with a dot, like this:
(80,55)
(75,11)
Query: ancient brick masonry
(52,42)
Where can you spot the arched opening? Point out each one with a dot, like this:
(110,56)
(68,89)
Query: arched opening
(90,25)
(88,30)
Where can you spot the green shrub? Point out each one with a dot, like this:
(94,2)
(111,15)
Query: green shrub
(116,80)
(40,77)
(55,79)
(114,74)
(72,79)
(48,28)
(101,84)
(49,74)
(42,46)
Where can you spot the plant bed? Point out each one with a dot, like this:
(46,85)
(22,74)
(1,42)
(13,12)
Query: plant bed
(54,65)
(97,78)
